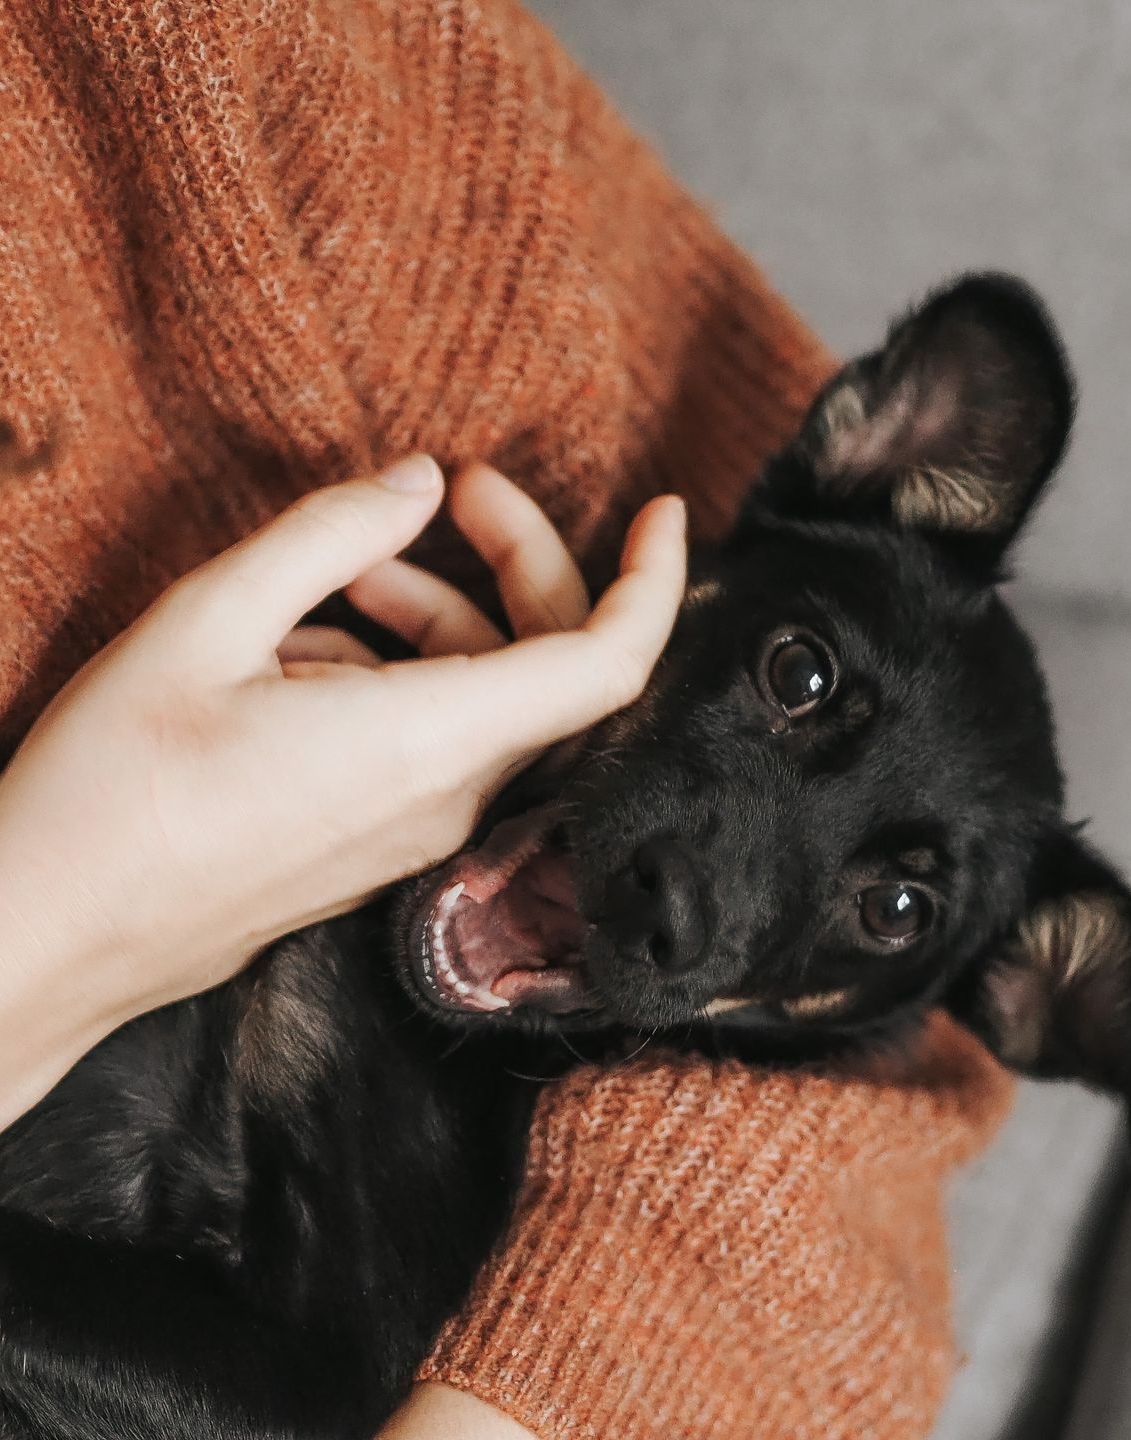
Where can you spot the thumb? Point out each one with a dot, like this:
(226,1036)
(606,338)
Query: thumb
(246,600)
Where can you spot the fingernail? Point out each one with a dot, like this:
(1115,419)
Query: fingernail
(412,476)
(675,514)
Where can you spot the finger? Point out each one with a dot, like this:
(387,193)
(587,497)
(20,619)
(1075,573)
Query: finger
(327,644)
(242,603)
(430,614)
(520,699)
(634,617)
(539,583)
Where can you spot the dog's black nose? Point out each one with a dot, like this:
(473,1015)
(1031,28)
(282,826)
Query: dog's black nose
(653,907)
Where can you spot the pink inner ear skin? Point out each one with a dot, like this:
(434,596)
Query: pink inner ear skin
(901,433)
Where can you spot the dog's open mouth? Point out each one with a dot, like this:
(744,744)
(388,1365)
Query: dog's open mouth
(501,927)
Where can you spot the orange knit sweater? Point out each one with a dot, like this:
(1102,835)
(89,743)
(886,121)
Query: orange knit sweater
(716,1253)
(249,246)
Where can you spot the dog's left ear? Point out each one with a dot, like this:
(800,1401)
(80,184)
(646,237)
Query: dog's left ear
(953,427)
(1056,999)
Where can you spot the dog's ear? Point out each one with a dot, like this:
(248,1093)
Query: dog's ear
(953,427)
(1056,998)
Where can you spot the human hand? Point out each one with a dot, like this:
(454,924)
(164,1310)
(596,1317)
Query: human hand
(215,778)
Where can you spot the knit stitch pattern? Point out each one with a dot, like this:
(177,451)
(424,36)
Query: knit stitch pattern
(252,246)
(248,247)
(713,1251)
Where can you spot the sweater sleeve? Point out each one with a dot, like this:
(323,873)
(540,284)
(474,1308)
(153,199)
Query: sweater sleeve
(713,1252)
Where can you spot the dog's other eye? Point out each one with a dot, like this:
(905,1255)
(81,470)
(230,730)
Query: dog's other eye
(798,673)
(896,913)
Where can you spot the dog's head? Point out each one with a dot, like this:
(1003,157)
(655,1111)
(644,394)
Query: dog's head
(838,800)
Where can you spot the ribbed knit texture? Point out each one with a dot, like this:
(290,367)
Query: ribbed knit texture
(717,1253)
(251,246)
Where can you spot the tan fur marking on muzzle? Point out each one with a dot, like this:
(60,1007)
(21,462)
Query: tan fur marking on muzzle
(826,1002)
(727,1005)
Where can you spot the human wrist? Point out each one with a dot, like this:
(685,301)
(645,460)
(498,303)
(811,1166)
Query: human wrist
(54,1004)
(434,1410)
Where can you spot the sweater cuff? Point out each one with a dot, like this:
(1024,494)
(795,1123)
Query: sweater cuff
(711,1252)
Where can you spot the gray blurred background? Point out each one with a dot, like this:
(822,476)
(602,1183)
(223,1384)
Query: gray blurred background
(862,152)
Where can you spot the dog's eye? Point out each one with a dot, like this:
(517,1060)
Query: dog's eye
(894,913)
(798,673)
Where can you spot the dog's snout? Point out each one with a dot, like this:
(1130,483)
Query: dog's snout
(654,908)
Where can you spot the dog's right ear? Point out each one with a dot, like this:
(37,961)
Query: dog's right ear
(952,428)
(1056,998)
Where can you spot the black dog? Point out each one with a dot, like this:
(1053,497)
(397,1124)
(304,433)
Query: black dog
(837,804)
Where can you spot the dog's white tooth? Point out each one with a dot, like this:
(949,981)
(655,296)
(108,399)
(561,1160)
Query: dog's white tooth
(450,898)
(462,987)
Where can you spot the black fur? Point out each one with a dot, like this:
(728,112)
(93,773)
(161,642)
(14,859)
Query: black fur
(246,1215)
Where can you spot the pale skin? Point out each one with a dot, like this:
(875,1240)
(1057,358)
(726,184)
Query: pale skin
(217,778)
(437,1412)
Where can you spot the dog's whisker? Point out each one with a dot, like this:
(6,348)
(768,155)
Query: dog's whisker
(641,1047)
(457,1043)
(572,1048)
(533,1079)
